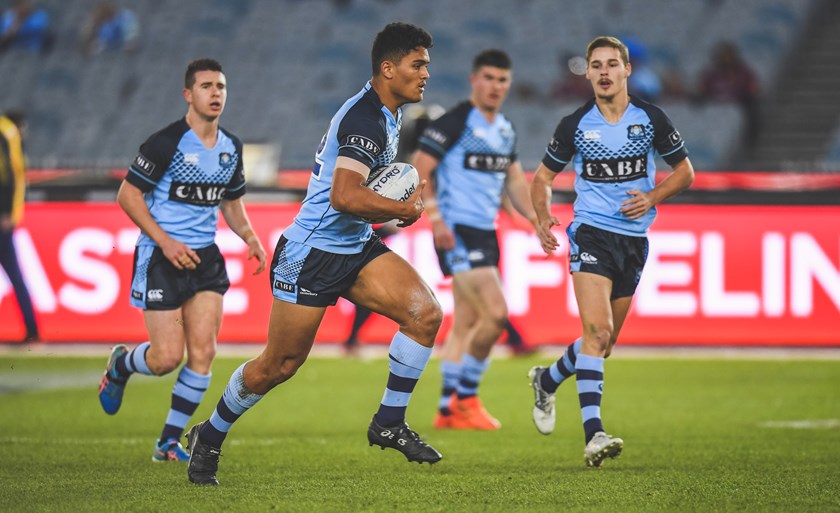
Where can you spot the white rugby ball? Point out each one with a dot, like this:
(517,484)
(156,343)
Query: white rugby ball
(396,181)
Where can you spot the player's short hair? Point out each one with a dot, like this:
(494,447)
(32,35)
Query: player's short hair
(200,65)
(492,57)
(395,42)
(18,117)
(608,42)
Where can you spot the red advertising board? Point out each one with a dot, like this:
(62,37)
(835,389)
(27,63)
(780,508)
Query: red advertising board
(716,275)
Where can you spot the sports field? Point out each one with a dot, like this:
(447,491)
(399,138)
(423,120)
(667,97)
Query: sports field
(700,435)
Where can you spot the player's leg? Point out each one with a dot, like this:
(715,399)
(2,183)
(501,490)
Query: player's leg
(9,263)
(202,318)
(389,286)
(291,333)
(464,319)
(482,288)
(593,296)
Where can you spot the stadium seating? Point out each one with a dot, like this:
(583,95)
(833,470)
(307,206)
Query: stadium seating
(290,64)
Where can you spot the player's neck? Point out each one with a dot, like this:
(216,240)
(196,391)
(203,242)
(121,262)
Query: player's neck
(388,100)
(488,113)
(614,107)
(206,129)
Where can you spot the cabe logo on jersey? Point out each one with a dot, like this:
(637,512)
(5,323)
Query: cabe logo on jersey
(615,170)
(486,162)
(201,194)
(363,143)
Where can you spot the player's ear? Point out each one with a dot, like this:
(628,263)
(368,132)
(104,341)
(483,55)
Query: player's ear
(188,95)
(386,69)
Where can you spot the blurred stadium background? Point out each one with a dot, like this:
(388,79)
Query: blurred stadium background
(291,63)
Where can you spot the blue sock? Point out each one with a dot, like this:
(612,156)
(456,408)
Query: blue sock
(590,385)
(187,394)
(471,374)
(562,368)
(235,401)
(451,372)
(134,361)
(406,361)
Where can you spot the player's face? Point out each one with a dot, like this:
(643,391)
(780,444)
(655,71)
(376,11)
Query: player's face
(607,72)
(410,76)
(490,86)
(208,94)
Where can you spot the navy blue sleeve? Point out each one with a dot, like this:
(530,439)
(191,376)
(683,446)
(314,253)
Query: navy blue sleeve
(445,131)
(561,148)
(236,187)
(154,157)
(667,141)
(361,137)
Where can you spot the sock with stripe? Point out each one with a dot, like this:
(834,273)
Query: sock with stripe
(133,361)
(451,373)
(562,368)
(471,373)
(235,401)
(406,360)
(590,385)
(186,396)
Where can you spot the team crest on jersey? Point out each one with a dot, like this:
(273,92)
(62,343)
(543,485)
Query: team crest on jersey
(225,160)
(635,132)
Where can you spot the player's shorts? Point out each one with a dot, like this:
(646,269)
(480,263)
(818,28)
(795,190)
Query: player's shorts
(473,248)
(621,258)
(157,285)
(308,276)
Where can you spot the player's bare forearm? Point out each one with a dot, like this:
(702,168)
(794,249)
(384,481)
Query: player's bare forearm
(350,196)
(516,187)
(131,200)
(541,192)
(237,220)
(678,181)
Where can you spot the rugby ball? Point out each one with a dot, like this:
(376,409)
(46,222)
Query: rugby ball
(396,181)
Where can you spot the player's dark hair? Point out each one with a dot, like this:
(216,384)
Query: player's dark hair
(200,65)
(494,58)
(608,42)
(395,42)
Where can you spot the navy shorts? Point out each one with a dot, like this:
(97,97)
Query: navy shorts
(157,285)
(621,258)
(473,248)
(308,276)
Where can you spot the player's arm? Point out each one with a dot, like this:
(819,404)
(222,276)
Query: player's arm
(233,210)
(541,201)
(131,200)
(7,186)
(350,196)
(516,188)
(425,163)
(641,202)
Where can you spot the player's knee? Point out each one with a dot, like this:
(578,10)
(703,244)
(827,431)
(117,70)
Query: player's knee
(497,317)
(427,317)
(281,370)
(203,356)
(167,363)
(599,337)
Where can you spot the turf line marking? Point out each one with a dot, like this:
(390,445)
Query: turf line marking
(802,424)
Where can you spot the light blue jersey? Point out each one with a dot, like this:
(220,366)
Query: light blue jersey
(364,130)
(473,158)
(184,182)
(611,159)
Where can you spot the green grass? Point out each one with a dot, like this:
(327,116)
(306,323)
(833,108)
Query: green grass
(693,435)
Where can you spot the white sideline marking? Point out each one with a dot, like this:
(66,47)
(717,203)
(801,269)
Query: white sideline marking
(802,424)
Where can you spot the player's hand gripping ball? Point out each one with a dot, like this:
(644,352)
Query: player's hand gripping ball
(396,181)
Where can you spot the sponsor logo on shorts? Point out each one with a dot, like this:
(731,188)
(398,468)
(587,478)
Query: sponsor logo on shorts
(586,258)
(306,292)
(282,285)
(136,294)
(475,255)
(154,295)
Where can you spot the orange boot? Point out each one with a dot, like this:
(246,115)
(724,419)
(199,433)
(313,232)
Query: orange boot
(469,413)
